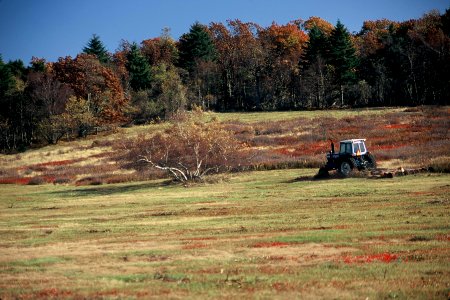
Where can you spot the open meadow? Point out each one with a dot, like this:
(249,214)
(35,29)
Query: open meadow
(74,224)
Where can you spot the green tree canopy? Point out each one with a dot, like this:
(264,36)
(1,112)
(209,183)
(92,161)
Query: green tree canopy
(316,46)
(196,45)
(138,68)
(7,80)
(96,47)
(342,55)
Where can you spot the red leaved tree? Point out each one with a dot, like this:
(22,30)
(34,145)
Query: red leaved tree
(93,81)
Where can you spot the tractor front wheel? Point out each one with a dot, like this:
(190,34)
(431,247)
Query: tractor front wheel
(347,166)
(371,162)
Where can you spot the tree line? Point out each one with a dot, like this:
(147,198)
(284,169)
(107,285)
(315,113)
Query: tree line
(236,66)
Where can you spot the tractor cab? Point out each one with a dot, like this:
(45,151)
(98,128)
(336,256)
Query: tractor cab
(354,147)
(353,154)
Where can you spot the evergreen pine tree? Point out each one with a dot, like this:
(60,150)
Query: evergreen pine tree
(195,45)
(139,69)
(342,56)
(6,79)
(316,79)
(96,47)
(316,46)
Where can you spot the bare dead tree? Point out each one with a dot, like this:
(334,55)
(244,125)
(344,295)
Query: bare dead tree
(189,150)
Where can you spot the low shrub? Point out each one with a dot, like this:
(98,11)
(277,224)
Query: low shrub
(11,172)
(36,181)
(440,165)
(90,180)
(102,143)
(61,180)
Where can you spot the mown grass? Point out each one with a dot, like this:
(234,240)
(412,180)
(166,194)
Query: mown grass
(271,234)
(254,117)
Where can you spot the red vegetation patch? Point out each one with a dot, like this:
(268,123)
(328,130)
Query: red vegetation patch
(283,286)
(57,163)
(52,293)
(397,126)
(443,237)
(305,149)
(27,180)
(15,180)
(360,259)
(269,244)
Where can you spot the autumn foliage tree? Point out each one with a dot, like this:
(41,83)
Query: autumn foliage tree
(321,24)
(240,58)
(159,50)
(95,82)
(283,46)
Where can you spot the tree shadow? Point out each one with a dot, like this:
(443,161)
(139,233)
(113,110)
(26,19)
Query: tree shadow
(105,190)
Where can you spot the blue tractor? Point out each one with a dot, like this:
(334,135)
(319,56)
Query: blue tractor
(352,155)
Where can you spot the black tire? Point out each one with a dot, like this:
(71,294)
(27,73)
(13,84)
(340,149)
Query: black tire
(347,166)
(371,162)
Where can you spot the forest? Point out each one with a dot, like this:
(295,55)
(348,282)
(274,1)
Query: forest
(236,66)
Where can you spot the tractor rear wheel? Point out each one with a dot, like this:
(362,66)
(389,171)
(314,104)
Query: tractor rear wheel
(347,166)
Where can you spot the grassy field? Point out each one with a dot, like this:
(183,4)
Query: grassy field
(102,232)
(266,235)
(255,117)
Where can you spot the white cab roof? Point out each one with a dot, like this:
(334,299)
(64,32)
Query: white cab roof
(353,140)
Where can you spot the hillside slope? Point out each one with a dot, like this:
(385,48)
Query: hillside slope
(398,137)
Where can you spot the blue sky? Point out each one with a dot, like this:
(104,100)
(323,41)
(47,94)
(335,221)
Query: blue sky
(55,28)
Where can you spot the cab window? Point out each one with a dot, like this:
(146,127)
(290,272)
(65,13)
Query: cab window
(345,148)
(362,147)
(356,148)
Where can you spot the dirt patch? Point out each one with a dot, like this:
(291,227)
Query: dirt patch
(50,293)
(301,253)
(191,246)
(269,244)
